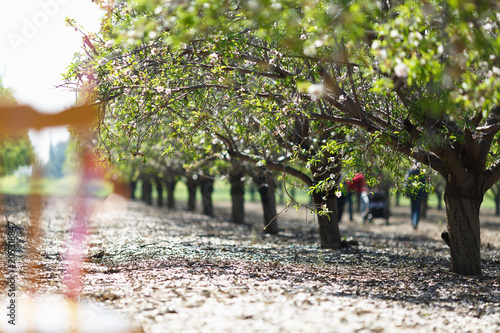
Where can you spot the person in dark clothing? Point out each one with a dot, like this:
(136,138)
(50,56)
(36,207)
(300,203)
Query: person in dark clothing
(417,194)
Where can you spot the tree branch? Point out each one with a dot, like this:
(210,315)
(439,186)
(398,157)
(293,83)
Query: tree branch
(491,176)
(274,166)
(343,120)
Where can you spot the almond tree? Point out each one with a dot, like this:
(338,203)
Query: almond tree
(248,102)
(421,78)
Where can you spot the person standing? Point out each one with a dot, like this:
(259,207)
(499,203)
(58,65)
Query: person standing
(416,192)
(358,185)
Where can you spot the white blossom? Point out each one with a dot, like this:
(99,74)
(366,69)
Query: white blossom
(440,49)
(414,37)
(213,57)
(276,6)
(317,91)
(310,50)
(401,70)
(381,53)
(488,26)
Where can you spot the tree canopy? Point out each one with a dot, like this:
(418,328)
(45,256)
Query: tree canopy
(310,86)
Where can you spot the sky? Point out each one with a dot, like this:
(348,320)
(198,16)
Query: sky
(36,47)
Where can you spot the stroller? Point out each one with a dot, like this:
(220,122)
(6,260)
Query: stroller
(376,207)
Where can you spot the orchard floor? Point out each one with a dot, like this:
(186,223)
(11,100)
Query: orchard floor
(176,271)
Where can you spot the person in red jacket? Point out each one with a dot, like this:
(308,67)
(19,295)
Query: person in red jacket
(358,186)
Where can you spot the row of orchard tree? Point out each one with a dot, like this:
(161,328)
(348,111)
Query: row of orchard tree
(162,175)
(307,88)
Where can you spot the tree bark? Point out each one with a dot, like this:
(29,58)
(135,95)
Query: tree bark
(159,190)
(267,190)
(147,190)
(329,233)
(207,188)
(192,185)
(170,182)
(237,196)
(462,213)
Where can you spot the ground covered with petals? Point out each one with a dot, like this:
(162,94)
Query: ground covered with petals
(178,271)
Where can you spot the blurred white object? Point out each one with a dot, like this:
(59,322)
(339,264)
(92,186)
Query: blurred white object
(54,314)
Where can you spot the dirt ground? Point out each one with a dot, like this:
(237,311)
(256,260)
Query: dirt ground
(176,271)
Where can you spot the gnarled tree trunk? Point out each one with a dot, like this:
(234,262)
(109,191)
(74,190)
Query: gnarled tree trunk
(329,233)
(462,213)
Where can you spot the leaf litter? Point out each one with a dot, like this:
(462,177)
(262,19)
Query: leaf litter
(178,271)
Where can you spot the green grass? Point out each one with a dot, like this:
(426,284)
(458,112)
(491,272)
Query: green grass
(65,186)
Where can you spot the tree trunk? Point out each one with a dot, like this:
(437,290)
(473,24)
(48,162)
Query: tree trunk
(171,182)
(329,233)
(147,190)
(267,190)
(207,188)
(143,193)
(268,198)
(425,206)
(439,195)
(462,213)
(133,186)
(192,185)
(496,192)
(159,190)
(237,196)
